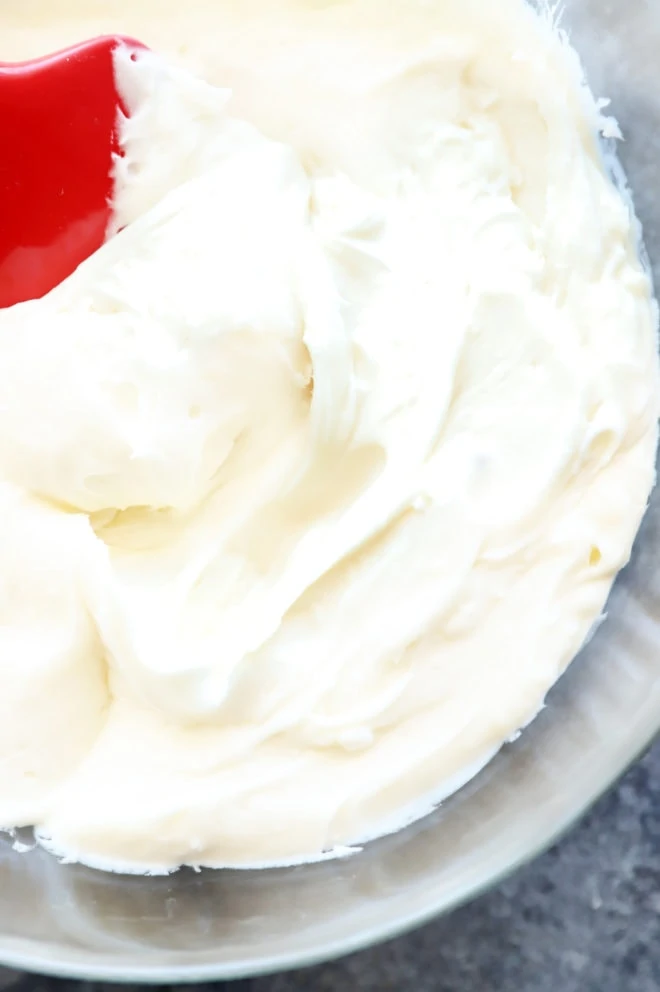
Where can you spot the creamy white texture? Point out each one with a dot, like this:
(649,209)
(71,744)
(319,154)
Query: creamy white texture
(315,477)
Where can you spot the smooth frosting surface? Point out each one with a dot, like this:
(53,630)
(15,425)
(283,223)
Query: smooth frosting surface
(316,476)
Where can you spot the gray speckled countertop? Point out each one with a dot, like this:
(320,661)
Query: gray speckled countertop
(584,917)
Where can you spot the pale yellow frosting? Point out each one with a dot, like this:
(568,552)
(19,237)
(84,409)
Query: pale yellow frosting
(315,477)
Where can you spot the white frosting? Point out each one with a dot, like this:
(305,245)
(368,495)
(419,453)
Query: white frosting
(315,477)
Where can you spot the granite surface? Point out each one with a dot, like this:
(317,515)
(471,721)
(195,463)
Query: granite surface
(584,917)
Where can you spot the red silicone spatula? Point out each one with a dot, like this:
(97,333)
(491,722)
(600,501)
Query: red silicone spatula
(58,132)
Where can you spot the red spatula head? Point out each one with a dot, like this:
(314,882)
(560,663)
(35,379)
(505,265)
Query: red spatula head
(59,125)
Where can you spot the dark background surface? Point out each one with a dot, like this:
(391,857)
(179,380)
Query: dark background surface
(584,917)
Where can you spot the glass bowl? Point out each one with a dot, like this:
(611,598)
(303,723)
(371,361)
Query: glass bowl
(69,920)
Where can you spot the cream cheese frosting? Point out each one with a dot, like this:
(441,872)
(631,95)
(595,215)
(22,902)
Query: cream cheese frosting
(315,477)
